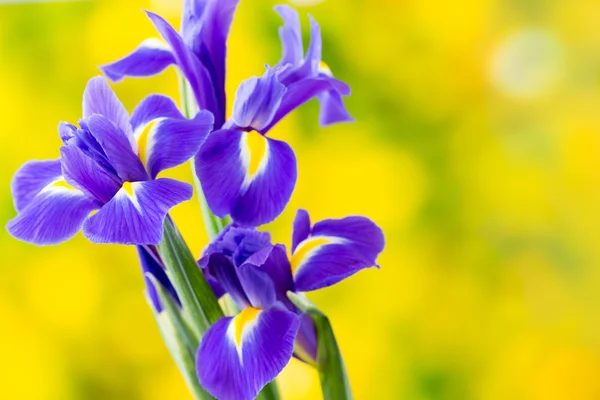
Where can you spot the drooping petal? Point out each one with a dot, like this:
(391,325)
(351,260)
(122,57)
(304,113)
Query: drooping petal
(220,170)
(239,356)
(274,262)
(168,142)
(150,58)
(333,110)
(336,250)
(151,266)
(117,148)
(246,175)
(304,90)
(190,65)
(291,36)
(269,182)
(99,98)
(257,101)
(301,228)
(31,178)
(86,175)
(137,212)
(53,216)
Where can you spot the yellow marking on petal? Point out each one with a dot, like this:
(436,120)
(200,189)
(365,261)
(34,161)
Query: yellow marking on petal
(142,142)
(128,188)
(246,316)
(324,68)
(61,183)
(257,149)
(306,247)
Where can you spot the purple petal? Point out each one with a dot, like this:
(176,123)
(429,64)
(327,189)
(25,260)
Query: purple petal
(150,58)
(31,178)
(189,64)
(265,195)
(291,36)
(99,98)
(171,142)
(223,270)
(66,131)
(336,250)
(239,356)
(258,286)
(208,40)
(274,262)
(117,148)
(257,101)
(300,92)
(83,173)
(53,216)
(305,347)
(301,229)
(154,107)
(137,212)
(220,170)
(362,233)
(333,110)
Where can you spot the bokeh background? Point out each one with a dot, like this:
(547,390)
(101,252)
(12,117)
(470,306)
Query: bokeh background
(476,148)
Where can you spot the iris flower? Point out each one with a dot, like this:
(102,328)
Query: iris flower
(199,52)
(243,172)
(106,177)
(239,355)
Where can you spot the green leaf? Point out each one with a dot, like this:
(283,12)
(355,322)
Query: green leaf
(332,371)
(196,295)
(179,339)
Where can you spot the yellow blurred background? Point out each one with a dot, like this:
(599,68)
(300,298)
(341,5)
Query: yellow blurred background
(476,149)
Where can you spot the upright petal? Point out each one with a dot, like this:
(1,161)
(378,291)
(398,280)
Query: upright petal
(190,65)
(117,148)
(53,216)
(137,212)
(223,270)
(304,90)
(257,101)
(99,98)
(83,173)
(31,178)
(291,36)
(273,262)
(211,47)
(336,250)
(301,228)
(239,356)
(151,57)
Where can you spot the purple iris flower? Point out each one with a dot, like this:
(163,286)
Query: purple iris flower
(106,177)
(239,355)
(243,172)
(199,52)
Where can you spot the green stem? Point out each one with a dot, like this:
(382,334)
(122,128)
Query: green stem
(195,293)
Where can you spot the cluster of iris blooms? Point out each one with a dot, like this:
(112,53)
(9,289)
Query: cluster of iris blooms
(106,183)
